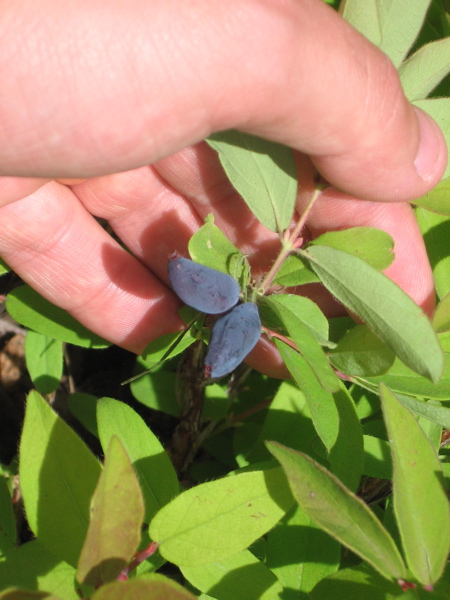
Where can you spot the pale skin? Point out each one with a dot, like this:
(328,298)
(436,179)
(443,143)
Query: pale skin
(103,108)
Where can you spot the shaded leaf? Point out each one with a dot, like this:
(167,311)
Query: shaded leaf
(45,361)
(421,73)
(154,586)
(377,458)
(339,512)
(321,403)
(384,307)
(435,230)
(360,352)
(83,407)
(17,594)
(52,457)
(30,309)
(157,476)
(7,519)
(263,173)
(307,344)
(346,457)
(215,520)
(238,577)
(374,246)
(357,583)
(420,502)
(33,567)
(300,553)
(441,317)
(117,512)
(401,379)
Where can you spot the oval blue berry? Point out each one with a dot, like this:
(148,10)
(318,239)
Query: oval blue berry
(233,336)
(205,289)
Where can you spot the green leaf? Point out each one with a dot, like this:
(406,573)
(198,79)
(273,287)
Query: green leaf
(439,110)
(421,73)
(401,379)
(339,512)
(306,343)
(438,199)
(215,520)
(383,306)
(295,271)
(420,502)
(154,586)
(238,577)
(377,458)
(18,594)
(358,583)
(157,477)
(263,173)
(3,267)
(155,351)
(392,25)
(210,247)
(157,391)
(33,567)
(52,457)
(83,407)
(304,309)
(30,309)
(321,403)
(300,554)
(372,245)
(8,536)
(44,358)
(360,352)
(117,512)
(287,414)
(436,234)
(441,317)
(346,457)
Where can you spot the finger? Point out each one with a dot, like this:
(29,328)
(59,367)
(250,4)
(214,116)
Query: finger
(263,67)
(59,249)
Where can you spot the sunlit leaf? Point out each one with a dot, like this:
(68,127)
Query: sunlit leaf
(215,520)
(421,73)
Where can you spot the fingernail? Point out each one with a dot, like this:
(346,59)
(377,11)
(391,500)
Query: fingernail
(430,146)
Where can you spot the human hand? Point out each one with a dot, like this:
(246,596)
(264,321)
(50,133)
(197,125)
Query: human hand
(103,92)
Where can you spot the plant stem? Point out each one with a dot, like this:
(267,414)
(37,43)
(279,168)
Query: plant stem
(289,244)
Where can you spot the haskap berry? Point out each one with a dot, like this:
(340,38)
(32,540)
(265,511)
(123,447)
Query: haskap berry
(233,336)
(205,289)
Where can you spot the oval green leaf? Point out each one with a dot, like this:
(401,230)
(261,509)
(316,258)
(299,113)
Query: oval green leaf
(215,520)
(420,502)
(157,477)
(383,306)
(263,173)
(240,577)
(45,361)
(52,457)
(339,512)
(28,308)
(117,511)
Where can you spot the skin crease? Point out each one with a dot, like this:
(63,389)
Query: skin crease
(113,100)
